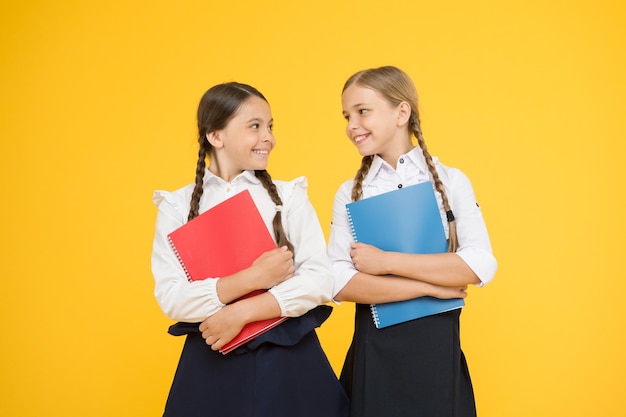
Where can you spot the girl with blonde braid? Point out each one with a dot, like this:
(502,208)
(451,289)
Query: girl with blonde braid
(416,368)
(283,372)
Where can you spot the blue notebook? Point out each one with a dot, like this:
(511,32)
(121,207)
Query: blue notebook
(404,220)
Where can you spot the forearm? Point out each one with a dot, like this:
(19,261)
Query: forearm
(235,286)
(445,269)
(223,326)
(369,289)
(260,307)
(268,270)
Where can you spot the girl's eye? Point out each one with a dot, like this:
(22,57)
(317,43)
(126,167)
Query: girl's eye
(270,128)
(347,117)
(255,126)
(362,111)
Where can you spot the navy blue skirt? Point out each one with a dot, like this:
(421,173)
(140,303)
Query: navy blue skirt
(283,372)
(412,369)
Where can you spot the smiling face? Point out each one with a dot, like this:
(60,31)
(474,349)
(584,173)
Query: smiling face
(375,126)
(245,142)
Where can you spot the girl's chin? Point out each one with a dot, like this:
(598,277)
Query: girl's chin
(364,152)
(259,166)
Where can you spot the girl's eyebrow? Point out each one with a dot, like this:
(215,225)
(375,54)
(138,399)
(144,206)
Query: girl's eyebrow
(359,105)
(259,120)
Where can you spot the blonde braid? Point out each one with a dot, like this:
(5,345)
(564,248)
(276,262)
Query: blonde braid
(277,223)
(453,242)
(357,188)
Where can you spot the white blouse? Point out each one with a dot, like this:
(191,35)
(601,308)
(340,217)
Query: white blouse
(186,301)
(474,245)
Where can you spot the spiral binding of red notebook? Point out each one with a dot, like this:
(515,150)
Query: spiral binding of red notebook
(224,240)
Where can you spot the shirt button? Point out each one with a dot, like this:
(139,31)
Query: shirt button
(402,160)
(399,185)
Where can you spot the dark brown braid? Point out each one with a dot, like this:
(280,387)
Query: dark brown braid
(414,123)
(357,188)
(279,231)
(200,167)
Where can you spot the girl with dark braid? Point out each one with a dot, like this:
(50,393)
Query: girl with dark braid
(283,372)
(414,368)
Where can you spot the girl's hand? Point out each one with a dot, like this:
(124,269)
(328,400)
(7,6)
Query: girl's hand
(368,259)
(222,327)
(273,267)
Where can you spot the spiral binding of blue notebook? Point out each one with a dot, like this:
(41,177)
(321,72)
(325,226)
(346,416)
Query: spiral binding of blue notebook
(404,220)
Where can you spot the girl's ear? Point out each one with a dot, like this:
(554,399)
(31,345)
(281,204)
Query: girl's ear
(404,113)
(214,139)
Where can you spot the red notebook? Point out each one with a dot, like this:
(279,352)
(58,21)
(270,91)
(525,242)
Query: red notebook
(223,240)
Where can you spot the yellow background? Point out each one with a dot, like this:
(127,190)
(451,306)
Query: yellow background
(97,106)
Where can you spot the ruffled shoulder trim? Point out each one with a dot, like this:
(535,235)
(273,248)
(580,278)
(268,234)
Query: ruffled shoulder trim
(289,189)
(175,198)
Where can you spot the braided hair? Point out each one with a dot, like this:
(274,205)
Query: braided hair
(396,87)
(217,107)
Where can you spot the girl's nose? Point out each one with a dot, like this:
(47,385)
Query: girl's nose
(268,137)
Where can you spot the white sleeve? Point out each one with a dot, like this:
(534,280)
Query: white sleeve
(179,299)
(312,282)
(340,238)
(474,244)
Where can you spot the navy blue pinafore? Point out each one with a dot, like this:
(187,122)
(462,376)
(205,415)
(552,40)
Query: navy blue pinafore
(412,369)
(281,373)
